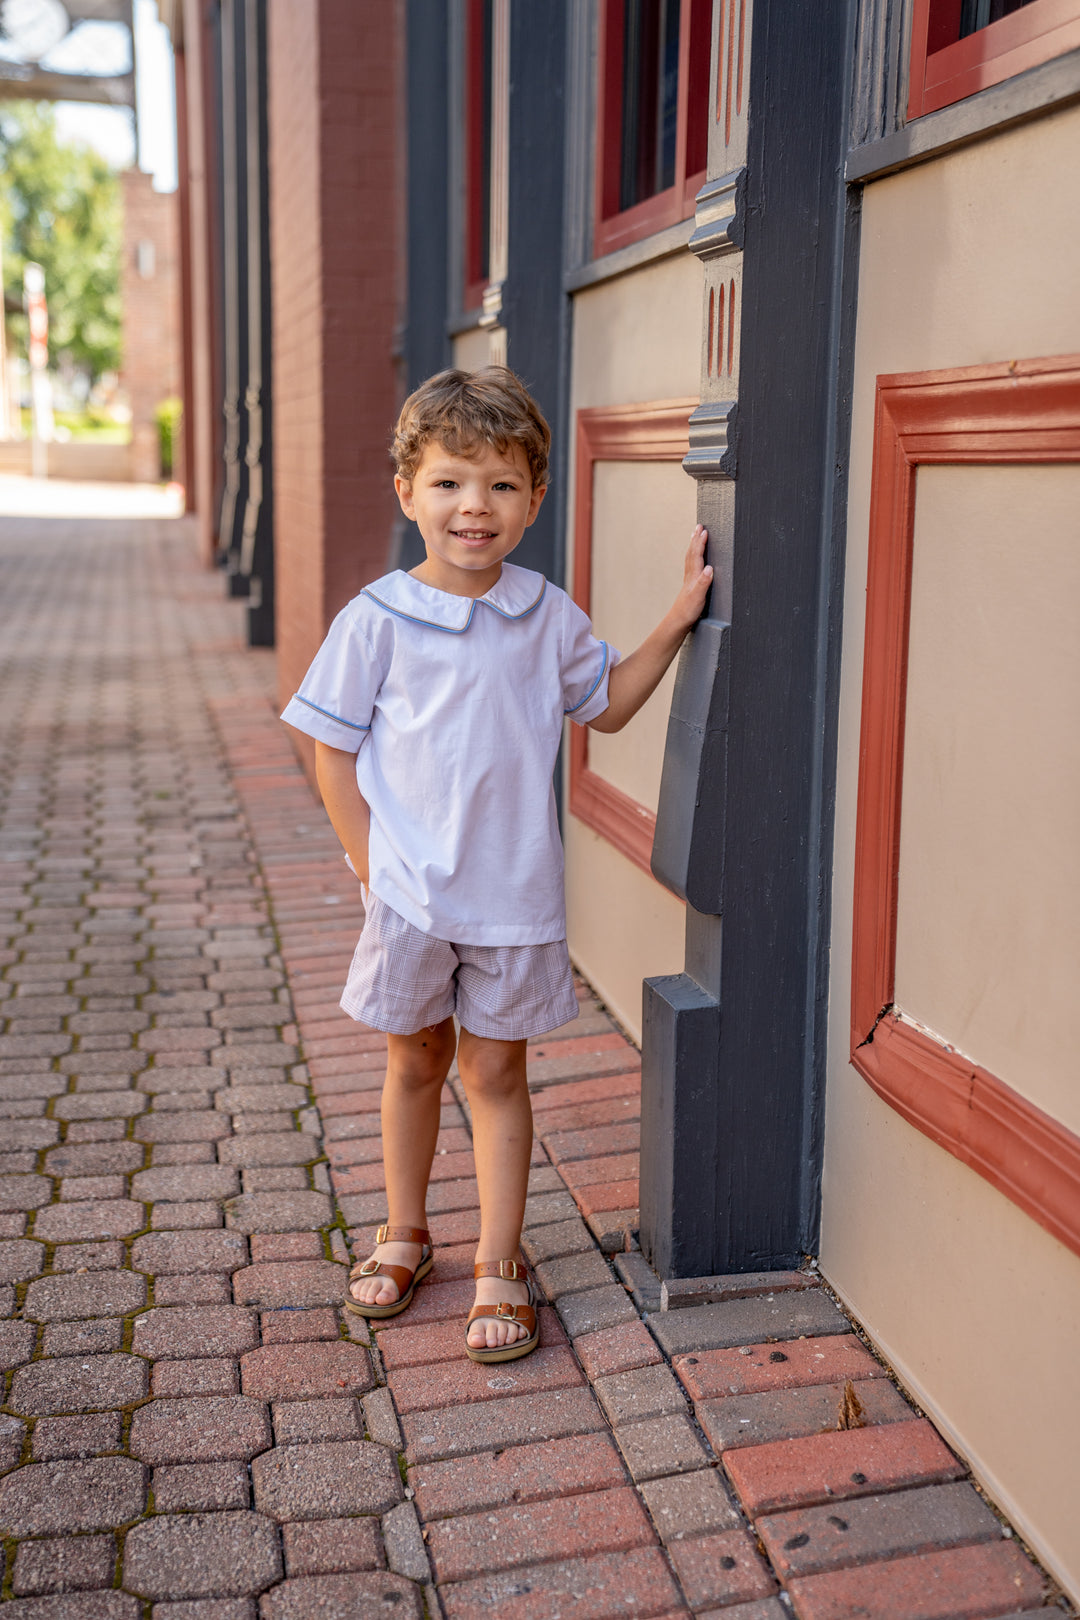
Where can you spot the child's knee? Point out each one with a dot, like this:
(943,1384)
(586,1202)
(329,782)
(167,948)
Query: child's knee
(493,1069)
(424,1059)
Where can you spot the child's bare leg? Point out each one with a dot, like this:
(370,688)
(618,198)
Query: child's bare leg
(493,1074)
(416,1067)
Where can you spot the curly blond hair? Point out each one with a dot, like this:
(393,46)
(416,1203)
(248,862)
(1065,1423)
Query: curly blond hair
(462,410)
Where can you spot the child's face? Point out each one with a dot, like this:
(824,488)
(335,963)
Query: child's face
(471,511)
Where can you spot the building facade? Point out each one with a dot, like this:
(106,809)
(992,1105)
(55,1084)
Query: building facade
(805,274)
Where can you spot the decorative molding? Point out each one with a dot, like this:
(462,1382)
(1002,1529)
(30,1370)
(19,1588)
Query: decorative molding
(719,225)
(732,27)
(944,73)
(1017,411)
(650,432)
(712,441)
(1023,97)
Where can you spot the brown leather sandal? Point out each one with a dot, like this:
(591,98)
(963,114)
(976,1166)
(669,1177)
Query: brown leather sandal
(404,1279)
(509,1271)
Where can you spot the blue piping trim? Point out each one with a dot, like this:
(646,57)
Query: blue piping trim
(594,685)
(352,725)
(446,629)
(524,614)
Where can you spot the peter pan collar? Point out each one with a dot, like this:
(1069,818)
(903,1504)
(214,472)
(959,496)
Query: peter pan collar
(516,593)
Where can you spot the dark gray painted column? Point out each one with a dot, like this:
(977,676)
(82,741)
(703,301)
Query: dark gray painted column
(256,541)
(234,246)
(734,1046)
(533,291)
(426,345)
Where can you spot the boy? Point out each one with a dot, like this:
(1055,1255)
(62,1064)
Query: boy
(436,704)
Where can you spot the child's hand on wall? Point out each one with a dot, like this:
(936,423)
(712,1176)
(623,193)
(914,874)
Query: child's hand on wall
(633,681)
(697,577)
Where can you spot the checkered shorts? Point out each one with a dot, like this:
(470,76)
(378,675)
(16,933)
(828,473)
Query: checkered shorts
(402,980)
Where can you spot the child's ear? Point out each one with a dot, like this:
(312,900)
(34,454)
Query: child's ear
(535,502)
(405,497)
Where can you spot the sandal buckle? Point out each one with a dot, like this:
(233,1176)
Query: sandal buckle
(369,1268)
(503,1309)
(380,1235)
(509,1270)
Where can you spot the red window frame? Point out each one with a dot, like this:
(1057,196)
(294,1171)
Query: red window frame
(616,228)
(1014,412)
(945,69)
(477,174)
(653,432)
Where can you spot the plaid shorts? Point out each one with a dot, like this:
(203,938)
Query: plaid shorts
(402,981)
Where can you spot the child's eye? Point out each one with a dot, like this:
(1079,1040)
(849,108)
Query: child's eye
(510,487)
(445,483)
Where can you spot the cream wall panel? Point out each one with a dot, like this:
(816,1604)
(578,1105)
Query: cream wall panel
(472,350)
(622,925)
(963,261)
(636,339)
(643,514)
(988,936)
(639,337)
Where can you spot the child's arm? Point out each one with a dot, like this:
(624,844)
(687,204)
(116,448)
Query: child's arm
(636,678)
(335,769)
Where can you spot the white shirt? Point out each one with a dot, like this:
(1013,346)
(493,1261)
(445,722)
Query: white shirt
(454,709)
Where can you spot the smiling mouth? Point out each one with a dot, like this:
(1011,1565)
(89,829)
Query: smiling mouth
(475,536)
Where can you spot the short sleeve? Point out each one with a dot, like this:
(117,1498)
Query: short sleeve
(586,665)
(337,695)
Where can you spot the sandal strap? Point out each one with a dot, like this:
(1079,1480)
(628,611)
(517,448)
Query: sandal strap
(508,1270)
(403,1234)
(504,1312)
(401,1276)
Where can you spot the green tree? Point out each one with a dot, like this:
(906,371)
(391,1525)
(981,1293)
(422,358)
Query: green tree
(61,207)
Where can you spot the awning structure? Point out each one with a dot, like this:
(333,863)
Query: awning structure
(67,50)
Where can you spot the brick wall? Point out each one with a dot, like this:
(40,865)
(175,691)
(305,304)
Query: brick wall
(334,229)
(151,368)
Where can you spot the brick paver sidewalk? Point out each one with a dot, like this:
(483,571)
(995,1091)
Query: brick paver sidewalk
(191,1430)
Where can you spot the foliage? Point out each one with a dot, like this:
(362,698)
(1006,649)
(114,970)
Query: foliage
(61,207)
(168,416)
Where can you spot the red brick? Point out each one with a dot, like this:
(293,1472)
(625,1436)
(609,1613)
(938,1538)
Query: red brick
(571,1046)
(962,1583)
(829,1467)
(208,1288)
(67,1564)
(212,1487)
(721,1568)
(286,1246)
(567,1146)
(273,1284)
(788,1414)
(595,1197)
(325,1480)
(304,1371)
(490,1425)
(608,1586)
(354,1594)
(523,1473)
(465,1382)
(582,1116)
(438,1302)
(210,1377)
(299,1327)
(200,1429)
(568,1527)
(756,1367)
(586,1091)
(417,1346)
(811,1540)
(617,1349)
(332,1546)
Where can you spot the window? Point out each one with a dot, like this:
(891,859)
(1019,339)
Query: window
(477,150)
(652,127)
(961,46)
